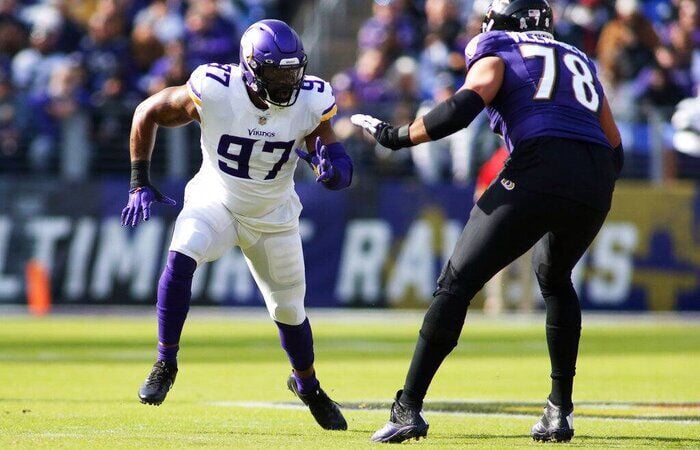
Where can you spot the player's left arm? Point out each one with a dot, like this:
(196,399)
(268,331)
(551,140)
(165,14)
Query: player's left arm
(329,159)
(483,82)
(612,133)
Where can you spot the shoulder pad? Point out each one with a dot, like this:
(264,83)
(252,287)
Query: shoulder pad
(194,84)
(207,79)
(319,96)
(486,44)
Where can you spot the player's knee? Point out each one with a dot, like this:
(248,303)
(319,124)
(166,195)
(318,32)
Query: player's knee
(444,320)
(180,266)
(193,238)
(452,283)
(287,306)
(288,314)
(552,281)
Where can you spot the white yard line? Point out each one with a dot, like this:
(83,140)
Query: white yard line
(274,405)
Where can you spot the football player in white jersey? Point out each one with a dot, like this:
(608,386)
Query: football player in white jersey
(251,116)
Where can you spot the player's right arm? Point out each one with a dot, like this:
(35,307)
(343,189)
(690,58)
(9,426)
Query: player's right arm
(171,107)
(485,72)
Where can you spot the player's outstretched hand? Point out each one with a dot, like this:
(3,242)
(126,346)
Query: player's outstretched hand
(385,133)
(139,205)
(319,161)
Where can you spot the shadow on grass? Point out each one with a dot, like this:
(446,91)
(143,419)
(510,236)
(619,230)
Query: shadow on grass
(607,410)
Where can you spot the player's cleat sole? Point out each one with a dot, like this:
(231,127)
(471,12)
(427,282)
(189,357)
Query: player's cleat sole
(158,383)
(556,425)
(393,433)
(404,423)
(325,411)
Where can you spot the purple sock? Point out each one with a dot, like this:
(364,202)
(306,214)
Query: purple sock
(306,385)
(298,342)
(174,293)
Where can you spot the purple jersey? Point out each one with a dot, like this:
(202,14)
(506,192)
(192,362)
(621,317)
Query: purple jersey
(549,88)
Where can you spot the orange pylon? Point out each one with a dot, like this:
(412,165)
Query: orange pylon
(38,288)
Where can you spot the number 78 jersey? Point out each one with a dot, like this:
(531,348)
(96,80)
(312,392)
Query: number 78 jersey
(549,88)
(248,160)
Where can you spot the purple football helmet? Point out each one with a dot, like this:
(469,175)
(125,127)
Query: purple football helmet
(273,61)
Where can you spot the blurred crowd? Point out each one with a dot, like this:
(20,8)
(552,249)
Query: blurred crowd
(411,57)
(72,72)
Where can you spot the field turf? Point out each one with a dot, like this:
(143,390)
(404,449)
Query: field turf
(70,381)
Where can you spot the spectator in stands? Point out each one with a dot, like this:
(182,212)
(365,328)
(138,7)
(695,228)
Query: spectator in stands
(626,46)
(32,67)
(390,30)
(13,32)
(164,20)
(209,36)
(105,49)
(579,23)
(448,158)
(113,106)
(59,123)
(368,80)
(442,53)
(170,70)
(10,111)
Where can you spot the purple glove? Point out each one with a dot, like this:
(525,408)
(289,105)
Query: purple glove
(319,161)
(140,200)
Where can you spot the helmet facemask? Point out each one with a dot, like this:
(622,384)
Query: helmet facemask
(279,85)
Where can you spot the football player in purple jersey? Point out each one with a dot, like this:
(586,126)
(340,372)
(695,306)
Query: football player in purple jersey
(544,98)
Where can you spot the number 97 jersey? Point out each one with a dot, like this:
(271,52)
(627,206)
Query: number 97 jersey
(248,160)
(549,88)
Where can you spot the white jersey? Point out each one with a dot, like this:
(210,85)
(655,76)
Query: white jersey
(248,157)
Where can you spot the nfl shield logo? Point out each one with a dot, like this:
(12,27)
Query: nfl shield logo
(262,120)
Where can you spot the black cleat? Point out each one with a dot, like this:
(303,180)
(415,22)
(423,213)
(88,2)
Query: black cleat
(324,410)
(158,383)
(404,423)
(556,425)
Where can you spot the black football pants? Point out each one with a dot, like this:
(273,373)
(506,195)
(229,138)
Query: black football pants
(503,225)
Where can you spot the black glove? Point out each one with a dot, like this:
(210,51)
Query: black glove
(385,133)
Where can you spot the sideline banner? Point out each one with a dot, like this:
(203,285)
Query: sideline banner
(373,245)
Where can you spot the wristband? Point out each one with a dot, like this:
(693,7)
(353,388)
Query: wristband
(140,174)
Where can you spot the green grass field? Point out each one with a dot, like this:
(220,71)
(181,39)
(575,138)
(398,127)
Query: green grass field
(71,381)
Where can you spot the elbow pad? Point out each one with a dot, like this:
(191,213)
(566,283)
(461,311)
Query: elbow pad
(342,167)
(453,114)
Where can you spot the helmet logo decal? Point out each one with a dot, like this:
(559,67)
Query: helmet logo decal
(523,23)
(289,61)
(247,48)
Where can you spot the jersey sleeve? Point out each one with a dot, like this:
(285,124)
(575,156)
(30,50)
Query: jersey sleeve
(195,85)
(321,98)
(492,43)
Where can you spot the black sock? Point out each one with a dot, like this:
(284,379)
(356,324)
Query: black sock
(439,334)
(426,360)
(563,333)
(561,392)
